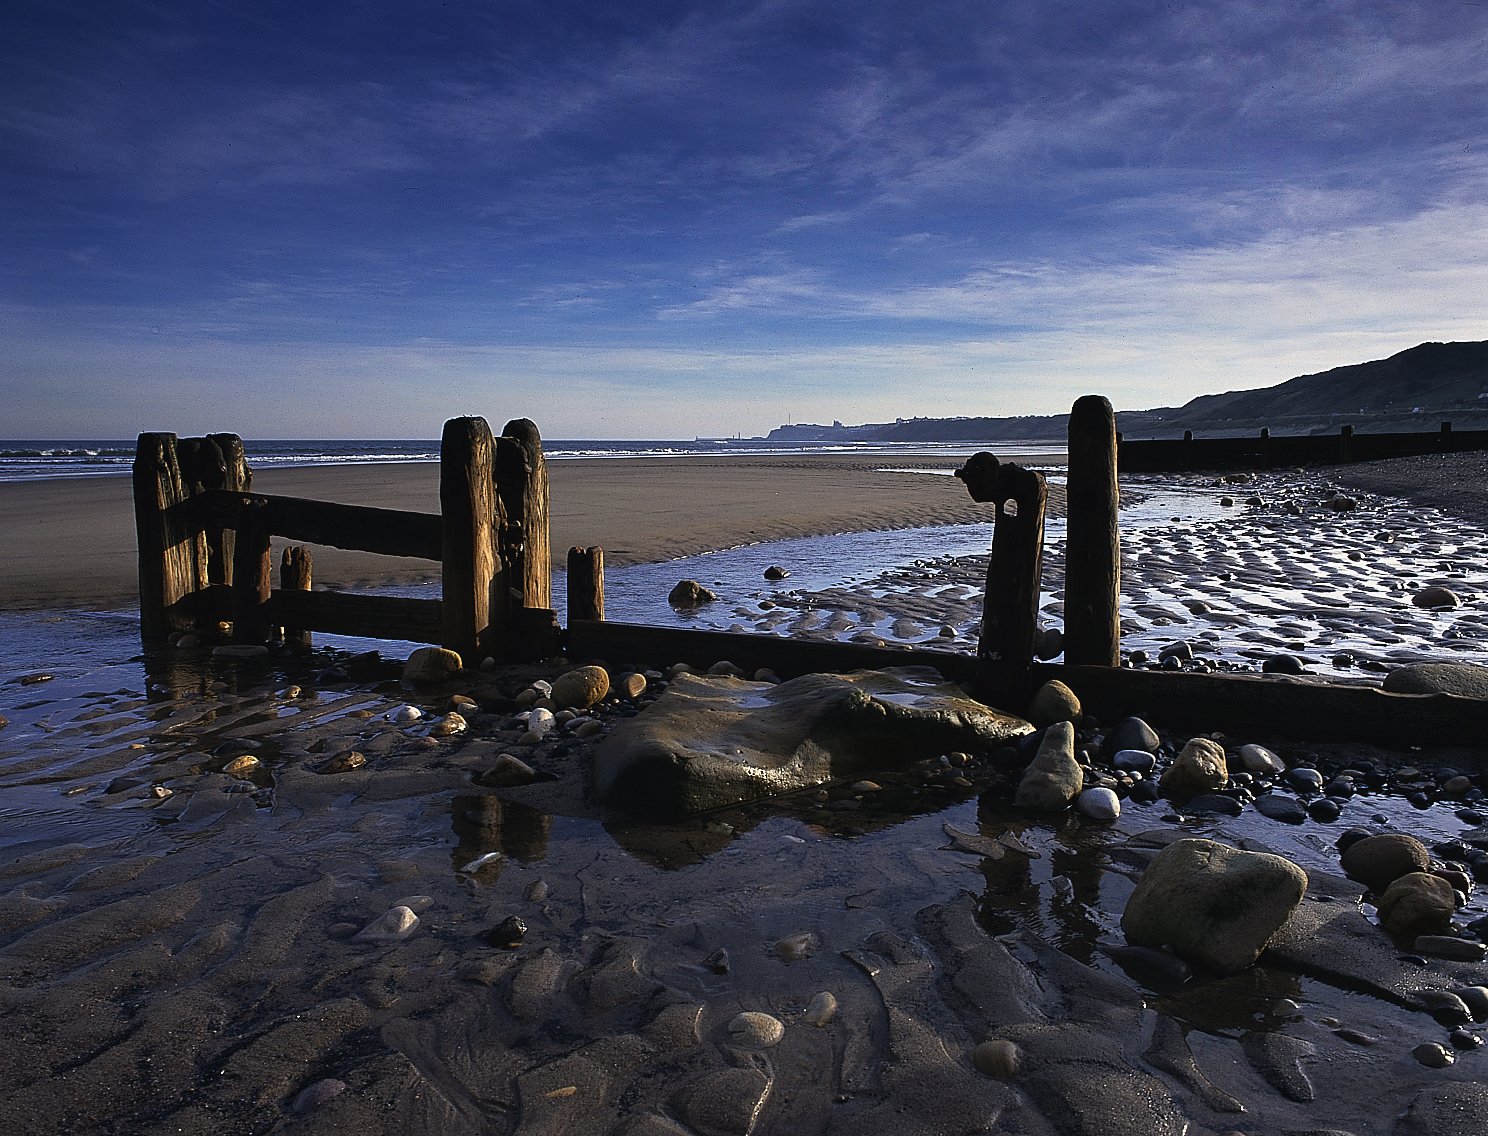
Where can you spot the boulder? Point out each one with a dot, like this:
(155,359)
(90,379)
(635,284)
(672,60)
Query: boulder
(580,688)
(1199,768)
(1439,678)
(1436,598)
(1054,702)
(1417,904)
(689,593)
(714,740)
(1053,779)
(1378,861)
(429,665)
(1213,904)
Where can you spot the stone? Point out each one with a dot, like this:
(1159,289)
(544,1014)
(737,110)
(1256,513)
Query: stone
(1134,761)
(1182,651)
(1437,598)
(508,934)
(1433,1055)
(405,715)
(1054,702)
(1199,768)
(429,665)
(1305,780)
(243,767)
(1417,904)
(1283,664)
(313,1096)
(394,925)
(1448,1108)
(343,762)
(1439,678)
(1278,806)
(540,721)
(1053,779)
(1131,733)
(581,688)
(821,1009)
(1047,644)
(1378,861)
(448,726)
(755,1030)
(711,741)
(776,572)
(1212,904)
(689,593)
(999,1059)
(1098,804)
(1450,947)
(1259,760)
(508,771)
(631,686)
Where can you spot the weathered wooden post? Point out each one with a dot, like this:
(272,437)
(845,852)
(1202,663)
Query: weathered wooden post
(1014,570)
(585,583)
(1188,449)
(252,574)
(475,603)
(217,461)
(172,549)
(1265,447)
(296,568)
(1346,444)
(1092,585)
(522,483)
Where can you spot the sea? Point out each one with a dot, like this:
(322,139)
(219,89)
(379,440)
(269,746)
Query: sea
(43,460)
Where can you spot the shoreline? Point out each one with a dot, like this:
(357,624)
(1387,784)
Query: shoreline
(70,542)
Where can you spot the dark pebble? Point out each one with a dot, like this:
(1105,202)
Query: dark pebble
(1215,803)
(1282,808)
(1283,664)
(1470,816)
(1155,969)
(1420,800)
(1351,836)
(509,933)
(1355,1037)
(718,961)
(1146,792)
(1465,1039)
(1324,810)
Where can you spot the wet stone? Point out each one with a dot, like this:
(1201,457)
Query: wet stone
(1450,947)
(999,1059)
(755,1030)
(508,934)
(1433,1055)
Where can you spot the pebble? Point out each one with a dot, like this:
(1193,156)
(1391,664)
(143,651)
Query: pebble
(1450,947)
(756,1030)
(1324,810)
(536,892)
(1285,1008)
(1305,780)
(394,925)
(1465,1039)
(1475,998)
(631,686)
(242,767)
(821,1009)
(1433,1055)
(999,1059)
(1258,759)
(1098,804)
(794,948)
(451,724)
(406,715)
(718,961)
(483,861)
(342,763)
(1134,761)
(1277,806)
(508,934)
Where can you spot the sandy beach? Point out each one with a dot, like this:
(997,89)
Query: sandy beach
(70,543)
(214,920)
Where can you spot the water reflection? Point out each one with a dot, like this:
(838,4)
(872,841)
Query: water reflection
(486,823)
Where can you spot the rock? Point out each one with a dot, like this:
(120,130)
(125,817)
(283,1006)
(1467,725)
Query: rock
(1417,904)
(1283,664)
(430,665)
(243,767)
(775,572)
(1449,1108)
(1132,733)
(1305,780)
(394,925)
(1099,804)
(1378,861)
(1213,904)
(1324,810)
(1054,702)
(794,948)
(1450,947)
(1475,998)
(1433,1055)
(1259,760)
(540,721)
(711,741)
(1134,761)
(1053,779)
(755,1030)
(631,686)
(821,1009)
(1277,806)
(726,1103)
(342,762)
(448,726)
(508,771)
(1182,651)
(581,688)
(405,715)
(1437,598)
(1047,644)
(1439,678)
(1341,504)
(999,1059)
(689,593)
(508,934)
(1200,768)
(313,1096)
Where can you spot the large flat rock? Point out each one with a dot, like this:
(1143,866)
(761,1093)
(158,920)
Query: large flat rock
(711,741)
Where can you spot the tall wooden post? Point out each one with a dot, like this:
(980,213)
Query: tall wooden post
(295,572)
(172,550)
(1346,444)
(522,483)
(1092,586)
(585,583)
(1265,448)
(1188,449)
(252,575)
(475,605)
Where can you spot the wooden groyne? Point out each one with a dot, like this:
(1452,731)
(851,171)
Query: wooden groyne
(1263,450)
(206,567)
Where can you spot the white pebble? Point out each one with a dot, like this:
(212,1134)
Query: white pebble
(392,926)
(404,715)
(1098,804)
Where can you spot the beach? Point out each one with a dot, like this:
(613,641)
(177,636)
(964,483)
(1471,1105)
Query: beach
(70,543)
(195,942)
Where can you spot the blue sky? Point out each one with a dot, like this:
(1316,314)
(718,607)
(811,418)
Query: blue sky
(670,219)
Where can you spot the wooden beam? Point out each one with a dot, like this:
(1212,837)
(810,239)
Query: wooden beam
(1092,584)
(347,613)
(391,532)
(171,546)
(476,600)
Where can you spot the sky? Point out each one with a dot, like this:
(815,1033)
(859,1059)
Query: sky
(665,220)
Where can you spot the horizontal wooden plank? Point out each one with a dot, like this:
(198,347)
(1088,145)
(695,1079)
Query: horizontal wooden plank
(350,613)
(633,643)
(1251,451)
(391,532)
(1259,706)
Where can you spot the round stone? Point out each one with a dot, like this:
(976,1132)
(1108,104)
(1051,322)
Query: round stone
(1001,1060)
(755,1030)
(1098,804)
(1377,861)
(1433,1055)
(581,688)
(821,1009)
(1134,761)
(1437,598)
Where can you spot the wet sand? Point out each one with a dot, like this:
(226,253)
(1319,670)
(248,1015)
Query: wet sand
(70,543)
(179,950)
